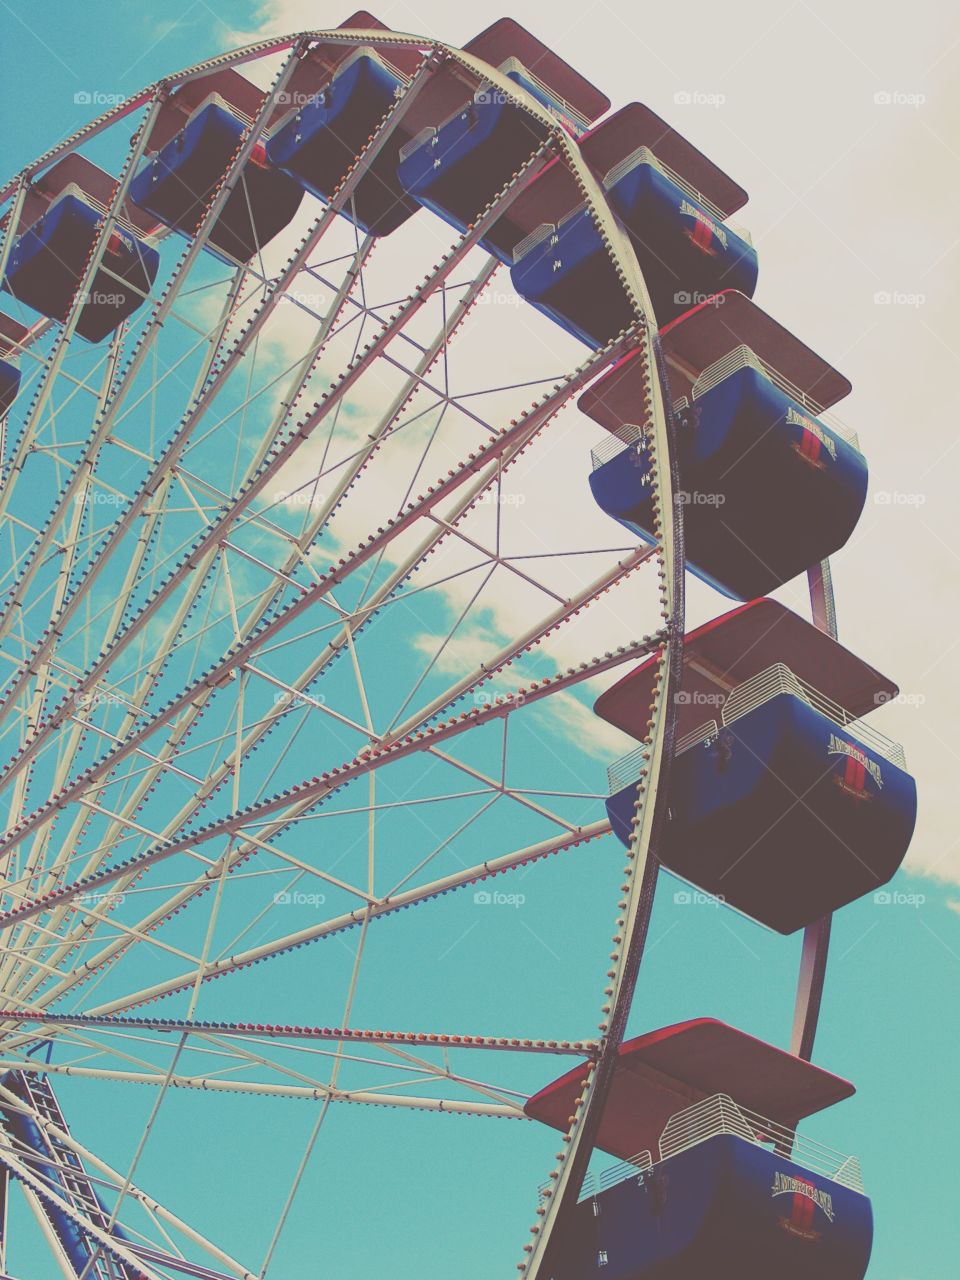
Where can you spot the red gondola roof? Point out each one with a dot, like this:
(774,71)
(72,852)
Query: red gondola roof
(705,333)
(663,1072)
(634,126)
(406,61)
(76,170)
(507,39)
(556,192)
(325,56)
(732,649)
(698,338)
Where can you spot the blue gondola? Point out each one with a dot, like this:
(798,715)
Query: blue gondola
(673,204)
(48,260)
(684,252)
(456,168)
(737,831)
(471,144)
(769,488)
(754,740)
(685,249)
(710,1187)
(180,179)
(723,1208)
(565,271)
(463,157)
(319,143)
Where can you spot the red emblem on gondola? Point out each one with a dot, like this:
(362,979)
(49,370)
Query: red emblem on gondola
(808,447)
(857,766)
(813,443)
(702,236)
(704,233)
(806,1201)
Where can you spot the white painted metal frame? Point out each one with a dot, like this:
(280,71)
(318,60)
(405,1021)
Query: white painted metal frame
(67,928)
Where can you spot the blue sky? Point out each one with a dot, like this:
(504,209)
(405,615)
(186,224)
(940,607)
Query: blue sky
(843,210)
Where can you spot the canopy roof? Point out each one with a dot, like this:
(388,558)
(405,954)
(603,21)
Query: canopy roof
(663,1072)
(555,192)
(736,646)
(452,85)
(76,170)
(699,338)
(317,68)
(505,39)
(635,126)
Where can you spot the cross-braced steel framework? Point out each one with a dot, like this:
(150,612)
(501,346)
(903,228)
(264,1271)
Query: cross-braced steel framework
(285,623)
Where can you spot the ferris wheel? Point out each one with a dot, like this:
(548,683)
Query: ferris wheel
(309,585)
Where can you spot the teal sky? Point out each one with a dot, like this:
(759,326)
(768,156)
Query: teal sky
(850,199)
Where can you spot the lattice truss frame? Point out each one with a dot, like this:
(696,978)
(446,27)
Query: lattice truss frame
(206,522)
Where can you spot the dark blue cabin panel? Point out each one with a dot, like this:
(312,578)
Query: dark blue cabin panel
(768,489)
(736,830)
(457,169)
(570,276)
(725,1209)
(9,385)
(48,261)
(178,183)
(318,144)
(685,253)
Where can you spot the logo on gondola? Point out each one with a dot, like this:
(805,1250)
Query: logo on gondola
(808,446)
(858,766)
(705,229)
(807,1199)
